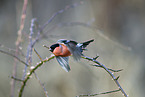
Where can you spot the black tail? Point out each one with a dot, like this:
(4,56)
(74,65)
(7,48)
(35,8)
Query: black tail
(86,43)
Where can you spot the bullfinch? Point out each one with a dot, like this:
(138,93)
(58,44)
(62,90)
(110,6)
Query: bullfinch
(65,48)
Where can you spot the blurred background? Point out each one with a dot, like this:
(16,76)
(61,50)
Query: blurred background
(118,27)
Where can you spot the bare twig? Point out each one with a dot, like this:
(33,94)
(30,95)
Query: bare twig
(42,85)
(23,16)
(18,42)
(45,92)
(108,68)
(29,48)
(7,53)
(12,50)
(16,79)
(46,46)
(38,54)
(31,72)
(115,70)
(109,72)
(108,92)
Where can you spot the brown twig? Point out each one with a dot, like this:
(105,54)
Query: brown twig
(37,54)
(19,39)
(18,42)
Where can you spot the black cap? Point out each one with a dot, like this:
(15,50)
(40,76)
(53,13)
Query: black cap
(52,47)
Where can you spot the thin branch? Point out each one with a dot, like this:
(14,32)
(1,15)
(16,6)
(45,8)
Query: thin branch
(37,54)
(23,16)
(31,72)
(18,43)
(29,48)
(45,92)
(108,68)
(7,53)
(115,70)
(109,72)
(16,78)
(42,85)
(46,46)
(12,50)
(84,95)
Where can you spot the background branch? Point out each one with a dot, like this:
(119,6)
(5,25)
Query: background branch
(17,58)
(41,28)
(29,48)
(18,43)
(12,50)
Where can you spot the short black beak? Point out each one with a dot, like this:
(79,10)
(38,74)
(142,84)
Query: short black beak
(50,50)
(46,46)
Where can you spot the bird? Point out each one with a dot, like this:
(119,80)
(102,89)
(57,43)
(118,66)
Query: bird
(64,48)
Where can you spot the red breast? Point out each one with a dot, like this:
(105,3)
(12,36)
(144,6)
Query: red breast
(62,51)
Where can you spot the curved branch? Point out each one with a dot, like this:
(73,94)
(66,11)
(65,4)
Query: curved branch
(109,72)
(7,53)
(31,72)
(108,68)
